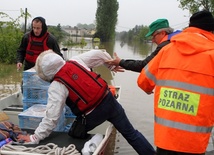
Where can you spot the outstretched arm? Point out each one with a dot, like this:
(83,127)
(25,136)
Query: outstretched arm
(136,65)
(95,58)
(133,65)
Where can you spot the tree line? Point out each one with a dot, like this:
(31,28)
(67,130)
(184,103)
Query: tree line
(139,31)
(11,31)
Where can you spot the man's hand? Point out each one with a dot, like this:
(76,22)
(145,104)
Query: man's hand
(118,69)
(19,66)
(115,61)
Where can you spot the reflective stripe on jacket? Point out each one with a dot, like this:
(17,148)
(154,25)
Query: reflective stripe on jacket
(183,76)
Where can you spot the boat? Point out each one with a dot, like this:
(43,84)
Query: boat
(12,105)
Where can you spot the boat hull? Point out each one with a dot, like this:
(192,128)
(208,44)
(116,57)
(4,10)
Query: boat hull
(12,106)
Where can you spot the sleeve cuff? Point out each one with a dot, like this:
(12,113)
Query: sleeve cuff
(34,139)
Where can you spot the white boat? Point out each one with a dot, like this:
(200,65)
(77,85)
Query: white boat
(12,106)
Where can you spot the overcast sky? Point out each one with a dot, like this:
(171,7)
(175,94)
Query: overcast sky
(72,12)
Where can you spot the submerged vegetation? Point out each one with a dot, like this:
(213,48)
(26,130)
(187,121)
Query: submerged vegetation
(10,79)
(9,71)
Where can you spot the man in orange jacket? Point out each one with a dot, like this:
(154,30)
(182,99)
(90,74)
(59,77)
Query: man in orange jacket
(161,34)
(182,74)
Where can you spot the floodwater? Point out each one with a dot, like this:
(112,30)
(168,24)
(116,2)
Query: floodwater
(137,104)
(10,84)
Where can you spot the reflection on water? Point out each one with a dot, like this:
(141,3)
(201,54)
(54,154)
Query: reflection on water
(140,49)
(137,104)
(10,80)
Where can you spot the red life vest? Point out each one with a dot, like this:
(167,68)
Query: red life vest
(35,47)
(86,88)
(112,90)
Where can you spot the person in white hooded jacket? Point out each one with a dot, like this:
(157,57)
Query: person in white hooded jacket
(48,65)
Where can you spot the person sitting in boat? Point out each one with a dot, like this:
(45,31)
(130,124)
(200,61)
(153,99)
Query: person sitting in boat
(161,34)
(94,102)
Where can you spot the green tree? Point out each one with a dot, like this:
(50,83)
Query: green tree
(106,19)
(143,31)
(57,32)
(194,6)
(136,34)
(86,26)
(68,43)
(10,37)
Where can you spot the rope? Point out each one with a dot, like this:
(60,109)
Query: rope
(49,149)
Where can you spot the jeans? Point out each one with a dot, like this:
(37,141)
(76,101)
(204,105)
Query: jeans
(109,109)
(168,152)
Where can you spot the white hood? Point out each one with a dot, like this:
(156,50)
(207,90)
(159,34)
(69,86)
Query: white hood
(48,64)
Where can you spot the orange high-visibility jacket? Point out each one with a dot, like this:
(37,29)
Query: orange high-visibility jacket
(183,77)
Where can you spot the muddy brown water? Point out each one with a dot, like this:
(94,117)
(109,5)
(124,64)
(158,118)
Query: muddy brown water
(137,104)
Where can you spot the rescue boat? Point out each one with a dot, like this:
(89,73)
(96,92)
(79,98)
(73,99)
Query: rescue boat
(12,105)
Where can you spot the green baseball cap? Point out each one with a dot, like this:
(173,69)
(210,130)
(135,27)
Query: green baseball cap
(156,25)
